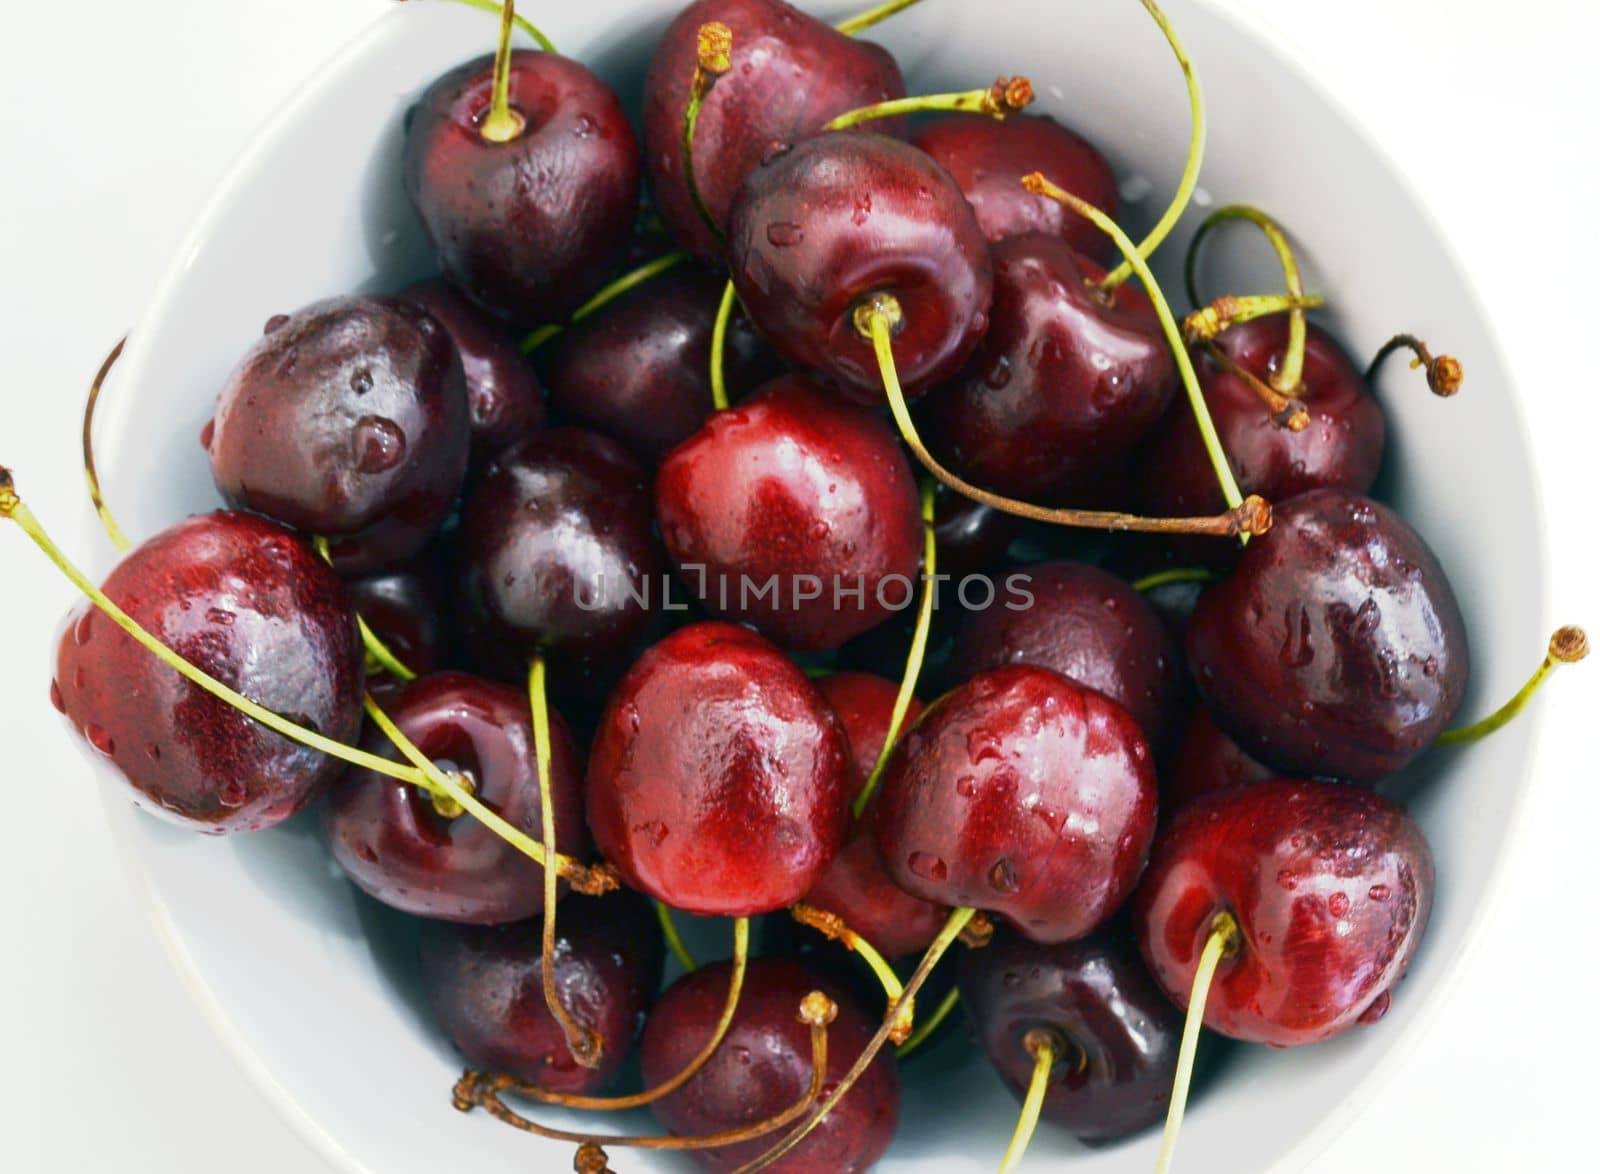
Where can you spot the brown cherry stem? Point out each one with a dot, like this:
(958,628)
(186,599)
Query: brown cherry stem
(713,49)
(1285,412)
(1568,645)
(928,1024)
(101,509)
(503,124)
(1222,942)
(817,1011)
(860,24)
(834,927)
(1444,371)
(1008,96)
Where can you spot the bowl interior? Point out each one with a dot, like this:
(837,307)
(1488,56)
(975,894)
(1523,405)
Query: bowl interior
(311,983)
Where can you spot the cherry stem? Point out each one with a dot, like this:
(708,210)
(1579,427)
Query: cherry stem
(1008,95)
(532,1092)
(714,47)
(1231,310)
(109,523)
(1291,374)
(502,123)
(1039,185)
(1568,645)
(1250,516)
(1444,371)
(525,25)
(1286,412)
(719,346)
(537,337)
(834,927)
(928,1024)
(1176,575)
(1221,942)
(914,658)
(817,1011)
(380,658)
(1042,1046)
(947,936)
(860,24)
(675,943)
(1191,168)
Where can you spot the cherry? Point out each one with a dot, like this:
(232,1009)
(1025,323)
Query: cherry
(504,399)
(485,985)
(988,160)
(971,537)
(1206,761)
(1329,888)
(1340,447)
(1113,1031)
(818,231)
(1336,647)
(1065,383)
(528,226)
(1092,628)
(403,609)
(248,602)
(412,852)
(764,1066)
(779,506)
(790,74)
(349,420)
(714,742)
(637,371)
(1023,793)
(557,555)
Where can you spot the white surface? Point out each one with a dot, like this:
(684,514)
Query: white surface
(94,175)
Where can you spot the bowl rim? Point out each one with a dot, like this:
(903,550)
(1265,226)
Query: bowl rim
(1337,1117)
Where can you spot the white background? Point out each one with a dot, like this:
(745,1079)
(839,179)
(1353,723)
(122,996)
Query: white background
(117,116)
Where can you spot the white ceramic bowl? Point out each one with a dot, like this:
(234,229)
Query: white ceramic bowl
(311,986)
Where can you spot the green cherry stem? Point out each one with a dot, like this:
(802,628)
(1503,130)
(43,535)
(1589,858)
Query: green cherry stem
(503,124)
(914,659)
(1042,1045)
(928,1024)
(537,337)
(526,26)
(380,658)
(834,927)
(863,22)
(1191,168)
(113,531)
(674,940)
(1221,942)
(1230,310)
(1444,371)
(1569,645)
(719,347)
(1008,95)
(714,47)
(1169,578)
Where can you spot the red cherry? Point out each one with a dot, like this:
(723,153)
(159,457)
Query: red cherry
(1206,761)
(403,610)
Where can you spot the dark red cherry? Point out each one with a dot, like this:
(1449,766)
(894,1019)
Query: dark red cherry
(531,228)
(557,554)
(988,158)
(1330,885)
(250,603)
(719,777)
(764,1066)
(1114,1032)
(1342,446)
(1022,793)
(782,504)
(855,886)
(817,231)
(1062,387)
(639,370)
(390,838)
(791,75)
(348,420)
(1092,628)
(970,537)
(1206,761)
(1336,647)
(403,610)
(504,399)
(485,984)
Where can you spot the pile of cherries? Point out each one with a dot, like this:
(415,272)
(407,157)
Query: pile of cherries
(494,590)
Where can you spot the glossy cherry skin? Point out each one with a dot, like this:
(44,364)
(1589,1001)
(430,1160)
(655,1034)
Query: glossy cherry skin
(1206,761)
(817,231)
(557,554)
(404,610)
(1114,1031)
(970,537)
(764,1067)
(347,419)
(1341,448)
(1336,646)
(988,158)
(504,399)
(715,743)
(392,842)
(486,987)
(1092,628)
(797,484)
(1064,384)
(1331,887)
(791,75)
(531,228)
(250,603)
(856,886)
(1024,794)
(639,370)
